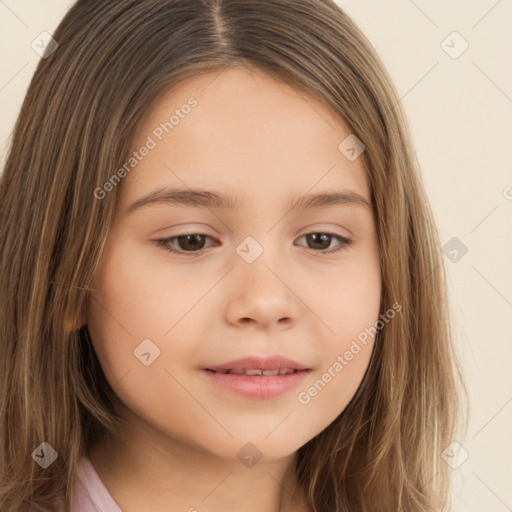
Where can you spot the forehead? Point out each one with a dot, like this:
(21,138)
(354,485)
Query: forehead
(242,131)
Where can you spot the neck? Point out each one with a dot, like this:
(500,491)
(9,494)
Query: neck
(146,470)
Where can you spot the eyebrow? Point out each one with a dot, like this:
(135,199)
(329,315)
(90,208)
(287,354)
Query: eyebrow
(210,199)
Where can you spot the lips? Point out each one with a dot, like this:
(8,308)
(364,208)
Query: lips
(257,378)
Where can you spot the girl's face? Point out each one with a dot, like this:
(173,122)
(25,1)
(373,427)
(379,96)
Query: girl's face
(267,273)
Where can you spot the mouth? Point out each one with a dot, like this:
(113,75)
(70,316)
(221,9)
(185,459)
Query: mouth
(256,377)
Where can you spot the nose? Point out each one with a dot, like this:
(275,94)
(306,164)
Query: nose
(261,296)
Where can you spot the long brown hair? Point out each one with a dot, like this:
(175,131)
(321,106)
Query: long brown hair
(76,126)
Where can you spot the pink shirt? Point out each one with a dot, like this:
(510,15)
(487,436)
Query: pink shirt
(91,494)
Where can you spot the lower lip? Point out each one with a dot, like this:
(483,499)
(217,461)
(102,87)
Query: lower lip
(260,387)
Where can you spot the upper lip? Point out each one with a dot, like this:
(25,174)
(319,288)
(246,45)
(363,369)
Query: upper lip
(259,362)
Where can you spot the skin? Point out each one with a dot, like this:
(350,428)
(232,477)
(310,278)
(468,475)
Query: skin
(265,143)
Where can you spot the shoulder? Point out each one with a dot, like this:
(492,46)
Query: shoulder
(91,494)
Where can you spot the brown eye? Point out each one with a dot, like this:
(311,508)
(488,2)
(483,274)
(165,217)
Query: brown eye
(191,242)
(181,244)
(320,242)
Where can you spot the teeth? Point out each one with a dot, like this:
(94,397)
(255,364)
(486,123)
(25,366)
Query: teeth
(236,372)
(250,371)
(284,371)
(271,372)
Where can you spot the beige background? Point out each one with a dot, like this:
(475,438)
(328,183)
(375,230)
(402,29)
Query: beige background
(460,111)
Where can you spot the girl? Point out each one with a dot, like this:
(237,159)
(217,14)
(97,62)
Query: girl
(222,282)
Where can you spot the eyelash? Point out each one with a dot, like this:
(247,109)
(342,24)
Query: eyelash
(344,242)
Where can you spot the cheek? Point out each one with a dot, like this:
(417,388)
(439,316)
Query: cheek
(129,306)
(137,299)
(350,300)
(142,294)
(351,310)
(345,359)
